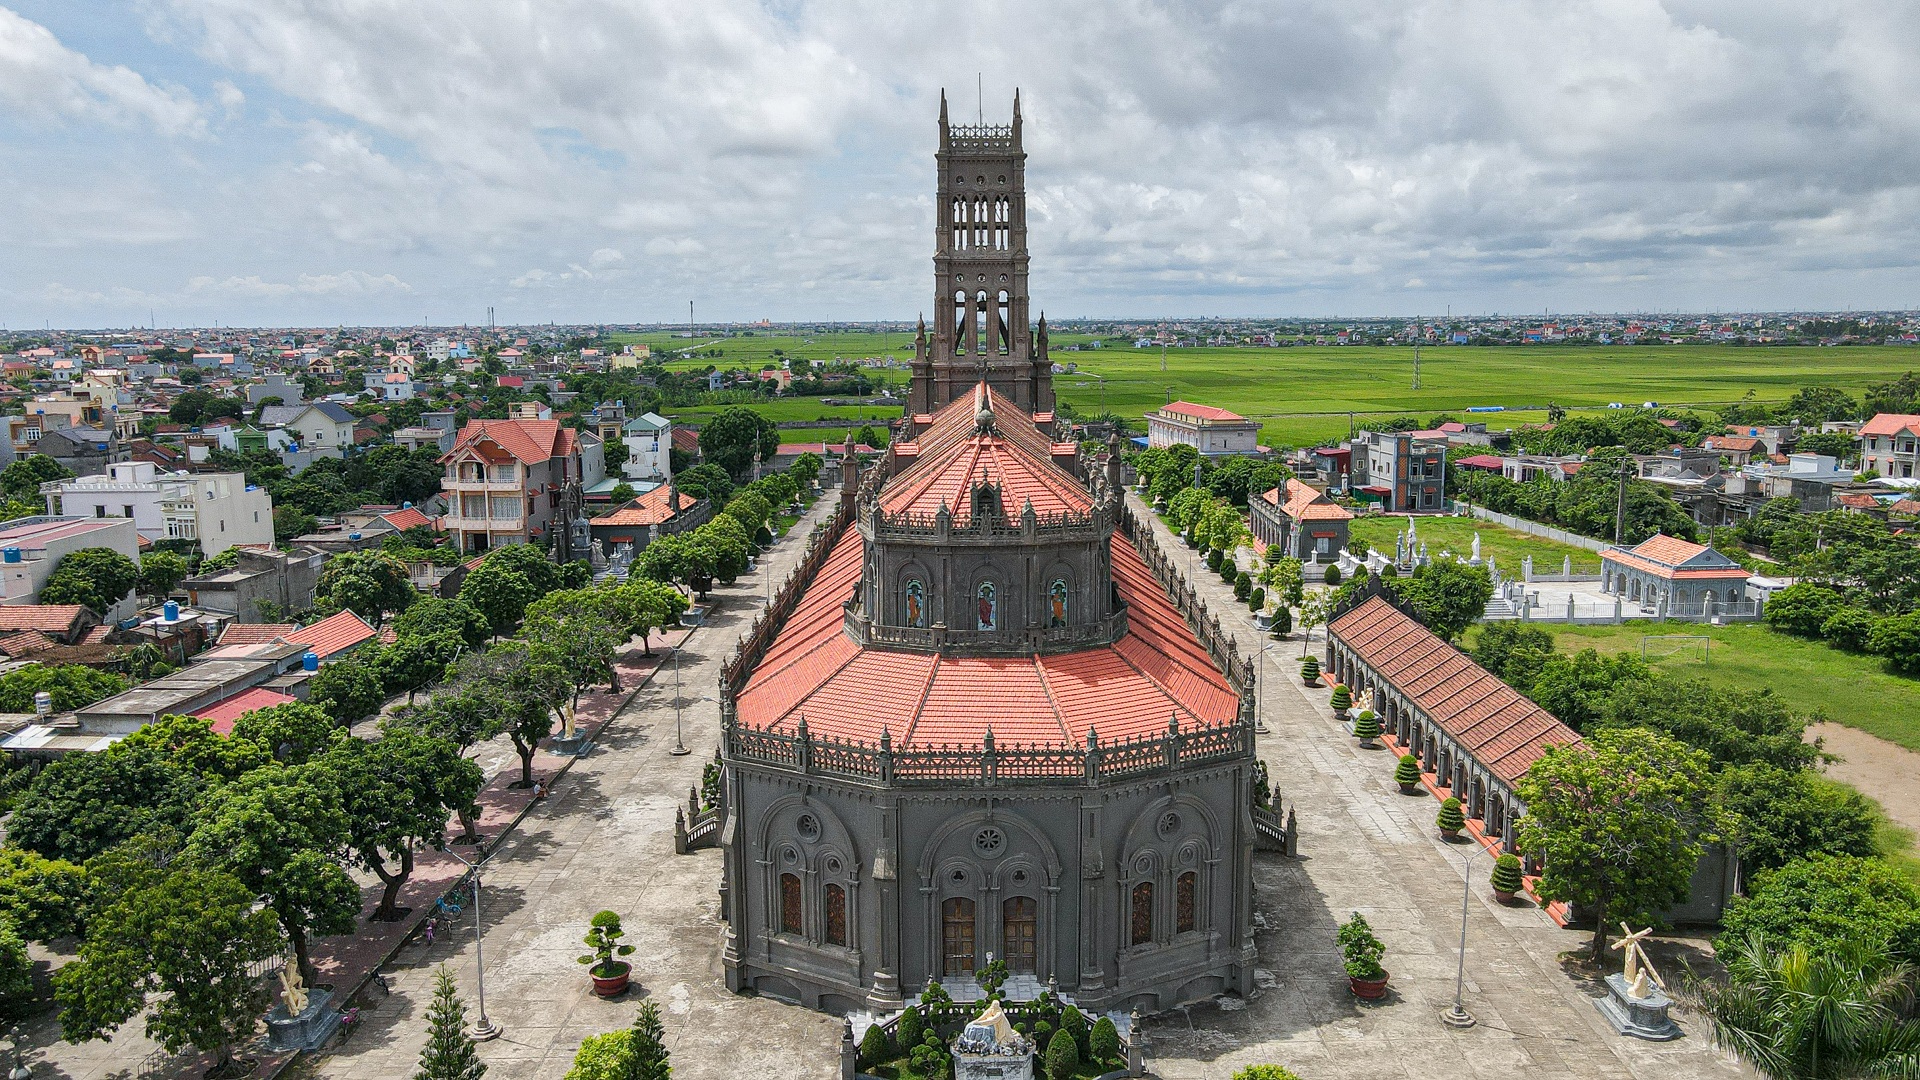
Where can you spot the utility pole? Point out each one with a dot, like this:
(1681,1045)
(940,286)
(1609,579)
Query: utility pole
(1416,355)
(1620,512)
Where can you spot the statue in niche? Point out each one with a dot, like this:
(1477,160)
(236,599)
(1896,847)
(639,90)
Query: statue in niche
(989,607)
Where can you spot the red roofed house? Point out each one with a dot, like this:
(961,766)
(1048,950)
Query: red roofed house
(977,722)
(1205,428)
(1475,736)
(329,639)
(1302,521)
(1890,445)
(222,714)
(1737,449)
(1673,575)
(662,511)
(504,478)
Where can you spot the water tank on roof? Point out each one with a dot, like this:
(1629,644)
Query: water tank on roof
(406,505)
(11,554)
(170,612)
(310,661)
(353,536)
(42,703)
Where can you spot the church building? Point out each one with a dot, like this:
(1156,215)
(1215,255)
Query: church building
(986,719)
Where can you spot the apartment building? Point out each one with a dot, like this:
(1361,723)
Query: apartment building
(218,510)
(1403,473)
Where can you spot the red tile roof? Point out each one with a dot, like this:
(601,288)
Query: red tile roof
(24,642)
(1306,503)
(952,456)
(649,509)
(1667,557)
(222,714)
(50,618)
(406,519)
(1187,410)
(685,438)
(1858,500)
(812,669)
(333,635)
(528,441)
(1504,731)
(257,633)
(1739,444)
(1482,461)
(1891,424)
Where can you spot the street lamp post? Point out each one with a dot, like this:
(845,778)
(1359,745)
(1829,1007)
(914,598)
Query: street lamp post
(679,744)
(1458,1016)
(1260,688)
(483,1029)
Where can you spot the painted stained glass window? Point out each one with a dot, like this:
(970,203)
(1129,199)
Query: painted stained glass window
(789,904)
(1057,603)
(1142,923)
(916,601)
(989,606)
(1185,897)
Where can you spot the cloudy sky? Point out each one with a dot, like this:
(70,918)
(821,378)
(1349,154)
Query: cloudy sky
(268,162)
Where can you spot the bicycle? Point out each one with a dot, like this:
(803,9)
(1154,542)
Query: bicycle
(441,906)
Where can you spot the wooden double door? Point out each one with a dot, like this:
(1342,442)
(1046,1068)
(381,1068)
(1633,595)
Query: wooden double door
(959,935)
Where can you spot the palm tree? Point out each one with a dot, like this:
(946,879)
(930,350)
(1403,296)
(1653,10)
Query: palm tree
(1796,1014)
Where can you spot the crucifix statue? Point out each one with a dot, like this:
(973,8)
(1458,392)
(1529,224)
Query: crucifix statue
(1637,968)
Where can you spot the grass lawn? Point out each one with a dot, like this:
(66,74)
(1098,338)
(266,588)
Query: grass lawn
(1302,395)
(1857,691)
(1507,547)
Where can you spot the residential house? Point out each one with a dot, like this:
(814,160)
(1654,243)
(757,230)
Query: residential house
(1736,449)
(390,385)
(1210,430)
(324,428)
(649,441)
(1890,445)
(31,547)
(504,479)
(289,391)
(85,451)
(1401,473)
(265,584)
(218,510)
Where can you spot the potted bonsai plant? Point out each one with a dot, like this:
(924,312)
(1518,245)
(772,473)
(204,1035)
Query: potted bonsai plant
(1407,774)
(1361,952)
(1450,819)
(1341,701)
(603,937)
(1366,728)
(1310,670)
(1506,878)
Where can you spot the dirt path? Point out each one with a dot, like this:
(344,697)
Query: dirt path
(1888,774)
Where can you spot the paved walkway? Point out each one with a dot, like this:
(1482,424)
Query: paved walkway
(1365,847)
(604,839)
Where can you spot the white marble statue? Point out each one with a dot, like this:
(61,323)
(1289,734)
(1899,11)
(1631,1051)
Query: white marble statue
(1476,548)
(294,992)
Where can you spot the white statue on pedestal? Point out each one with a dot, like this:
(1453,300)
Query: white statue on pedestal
(1637,968)
(294,992)
(1476,548)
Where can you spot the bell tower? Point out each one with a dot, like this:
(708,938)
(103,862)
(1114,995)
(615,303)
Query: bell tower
(980,305)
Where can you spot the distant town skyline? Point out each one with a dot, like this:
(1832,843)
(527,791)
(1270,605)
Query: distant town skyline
(186,162)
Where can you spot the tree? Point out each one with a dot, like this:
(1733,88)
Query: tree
(277,830)
(97,578)
(749,508)
(433,615)
(1618,824)
(397,792)
(412,662)
(805,470)
(1779,816)
(291,521)
(367,583)
(72,686)
(1283,577)
(1448,596)
(522,688)
(1497,643)
(707,481)
(293,733)
(1103,1042)
(648,606)
(1897,638)
(1829,903)
(1733,726)
(22,478)
(501,591)
(189,742)
(728,543)
(581,631)
(160,572)
(83,804)
(732,440)
(1796,1013)
(181,948)
(622,492)
(40,898)
(602,1057)
(1577,688)
(1063,1057)
(449,1053)
(347,688)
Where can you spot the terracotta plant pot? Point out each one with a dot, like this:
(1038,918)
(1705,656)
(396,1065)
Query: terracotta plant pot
(1369,989)
(1449,834)
(1409,789)
(1505,897)
(611,985)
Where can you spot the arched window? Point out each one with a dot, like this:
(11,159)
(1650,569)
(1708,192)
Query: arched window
(790,904)
(956,936)
(1186,897)
(916,603)
(1141,925)
(1017,933)
(1057,602)
(988,604)
(837,915)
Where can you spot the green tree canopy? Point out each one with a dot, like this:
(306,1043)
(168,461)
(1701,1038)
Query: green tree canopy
(1828,903)
(397,791)
(732,439)
(293,733)
(97,578)
(367,583)
(72,686)
(706,481)
(1797,1013)
(522,687)
(449,1053)
(83,804)
(1618,824)
(1447,596)
(349,688)
(22,478)
(1779,816)
(160,572)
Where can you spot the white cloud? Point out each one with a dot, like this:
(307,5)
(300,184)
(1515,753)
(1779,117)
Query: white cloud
(345,283)
(43,80)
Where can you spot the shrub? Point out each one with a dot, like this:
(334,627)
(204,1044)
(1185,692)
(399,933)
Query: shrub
(1103,1042)
(1506,874)
(1408,771)
(1310,669)
(1830,903)
(1897,638)
(1214,558)
(1366,725)
(911,1028)
(1333,576)
(1257,599)
(1063,1057)
(1342,699)
(1849,628)
(876,1047)
(1074,1023)
(1242,588)
(1266,1072)
(1360,950)
(1450,818)
(1282,621)
(1803,608)
(603,938)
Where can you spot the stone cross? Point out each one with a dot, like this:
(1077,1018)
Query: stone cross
(1637,968)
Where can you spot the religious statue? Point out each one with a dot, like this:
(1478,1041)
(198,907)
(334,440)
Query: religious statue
(294,992)
(1638,969)
(566,720)
(1476,547)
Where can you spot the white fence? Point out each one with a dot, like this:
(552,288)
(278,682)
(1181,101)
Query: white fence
(1545,532)
(1529,606)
